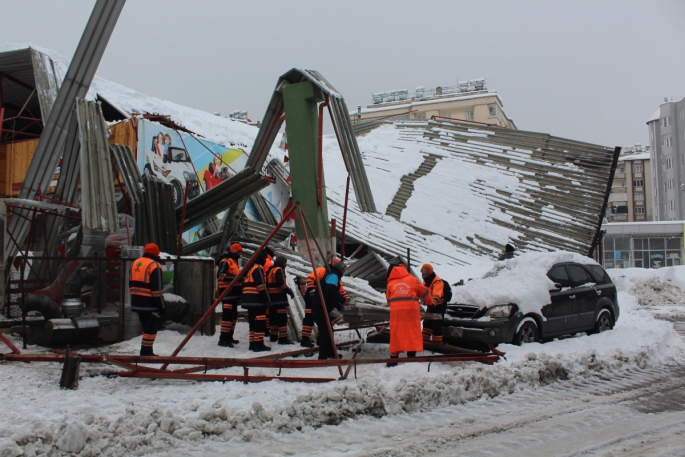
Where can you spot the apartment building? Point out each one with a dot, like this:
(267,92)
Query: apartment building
(667,144)
(630,199)
(469,101)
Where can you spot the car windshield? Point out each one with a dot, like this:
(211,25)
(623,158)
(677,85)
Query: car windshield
(493,273)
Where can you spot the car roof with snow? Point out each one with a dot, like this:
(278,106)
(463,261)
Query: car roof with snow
(521,280)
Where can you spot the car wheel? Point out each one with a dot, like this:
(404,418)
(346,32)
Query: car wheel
(604,322)
(178,193)
(528,333)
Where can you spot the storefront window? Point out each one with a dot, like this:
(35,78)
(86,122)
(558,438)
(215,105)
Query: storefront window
(651,252)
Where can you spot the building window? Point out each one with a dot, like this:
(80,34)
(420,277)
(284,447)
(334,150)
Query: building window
(637,168)
(621,168)
(669,163)
(639,210)
(638,197)
(447,114)
(492,110)
(667,141)
(682,114)
(469,115)
(682,137)
(669,184)
(666,121)
(638,182)
(670,204)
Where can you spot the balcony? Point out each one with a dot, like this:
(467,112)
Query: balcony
(618,175)
(618,218)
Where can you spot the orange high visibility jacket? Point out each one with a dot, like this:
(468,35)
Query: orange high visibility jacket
(228,270)
(254,288)
(437,291)
(403,293)
(145,284)
(277,286)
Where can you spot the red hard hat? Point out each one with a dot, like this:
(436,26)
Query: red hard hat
(235,247)
(152,249)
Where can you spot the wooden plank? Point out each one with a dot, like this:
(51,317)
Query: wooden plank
(123,133)
(18,156)
(4,171)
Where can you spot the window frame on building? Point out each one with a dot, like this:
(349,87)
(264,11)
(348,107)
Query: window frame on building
(470,115)
(638,183)
(638,169)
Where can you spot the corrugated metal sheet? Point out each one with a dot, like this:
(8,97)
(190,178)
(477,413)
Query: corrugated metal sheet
(263,209)
(48,81)
(280,172)
(98,203)
(158,220)
(76,83)
(577,192)
(217,199)
(557,203)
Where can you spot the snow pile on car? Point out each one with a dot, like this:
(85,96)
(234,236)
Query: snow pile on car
(522,281)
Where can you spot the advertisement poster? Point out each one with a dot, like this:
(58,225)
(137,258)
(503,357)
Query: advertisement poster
(178,158)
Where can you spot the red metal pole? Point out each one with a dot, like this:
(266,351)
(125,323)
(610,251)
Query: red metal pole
(2,118)
(9,344)
(218,377)
(342,238)
(183,216)
(319,290)
(335,129)
(242,272)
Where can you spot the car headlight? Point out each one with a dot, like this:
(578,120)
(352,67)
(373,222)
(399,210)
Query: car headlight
(186,176)
(500,311)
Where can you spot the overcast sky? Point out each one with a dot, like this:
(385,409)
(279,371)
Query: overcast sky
(588,70)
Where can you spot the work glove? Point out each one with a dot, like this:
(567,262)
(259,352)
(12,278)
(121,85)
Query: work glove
(156,315)
(290,293)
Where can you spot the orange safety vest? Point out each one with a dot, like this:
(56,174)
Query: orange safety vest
(271,282)
(250,286)
(139,279)
(231,272)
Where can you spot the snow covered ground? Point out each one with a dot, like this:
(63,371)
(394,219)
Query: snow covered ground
(117,416)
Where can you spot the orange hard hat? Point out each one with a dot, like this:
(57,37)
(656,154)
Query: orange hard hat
(336,260)
(235,247)
(426,269)
(152,249)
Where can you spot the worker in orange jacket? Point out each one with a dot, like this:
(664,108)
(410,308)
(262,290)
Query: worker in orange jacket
(256,300)
(270,253)
(433,328)
(308,321)
(403,294)
(227,272)
(276,284)
(145,284)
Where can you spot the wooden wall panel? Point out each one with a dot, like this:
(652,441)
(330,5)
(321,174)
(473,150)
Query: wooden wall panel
(18,157)
(4,171)
(123,133)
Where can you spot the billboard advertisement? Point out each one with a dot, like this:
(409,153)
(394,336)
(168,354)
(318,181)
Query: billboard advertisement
(180,158)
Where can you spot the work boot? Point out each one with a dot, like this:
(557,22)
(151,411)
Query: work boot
(411,354)
(284,340)
(273,338)
(147,352)
(391,364)
(259,347)
(306,342)
(225,343)
(230,338)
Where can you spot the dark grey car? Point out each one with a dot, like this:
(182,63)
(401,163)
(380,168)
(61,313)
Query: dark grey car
(584,300)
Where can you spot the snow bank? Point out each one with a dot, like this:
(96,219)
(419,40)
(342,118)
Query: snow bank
(522,280)
(655,292)
(116,416)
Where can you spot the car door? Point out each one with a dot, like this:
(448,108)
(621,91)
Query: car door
(557,312)
(583,305)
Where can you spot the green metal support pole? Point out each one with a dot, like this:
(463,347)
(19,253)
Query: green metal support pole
(302,128)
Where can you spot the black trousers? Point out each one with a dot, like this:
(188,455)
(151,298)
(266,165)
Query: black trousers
(324,338)
(257,319)
(148,322)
